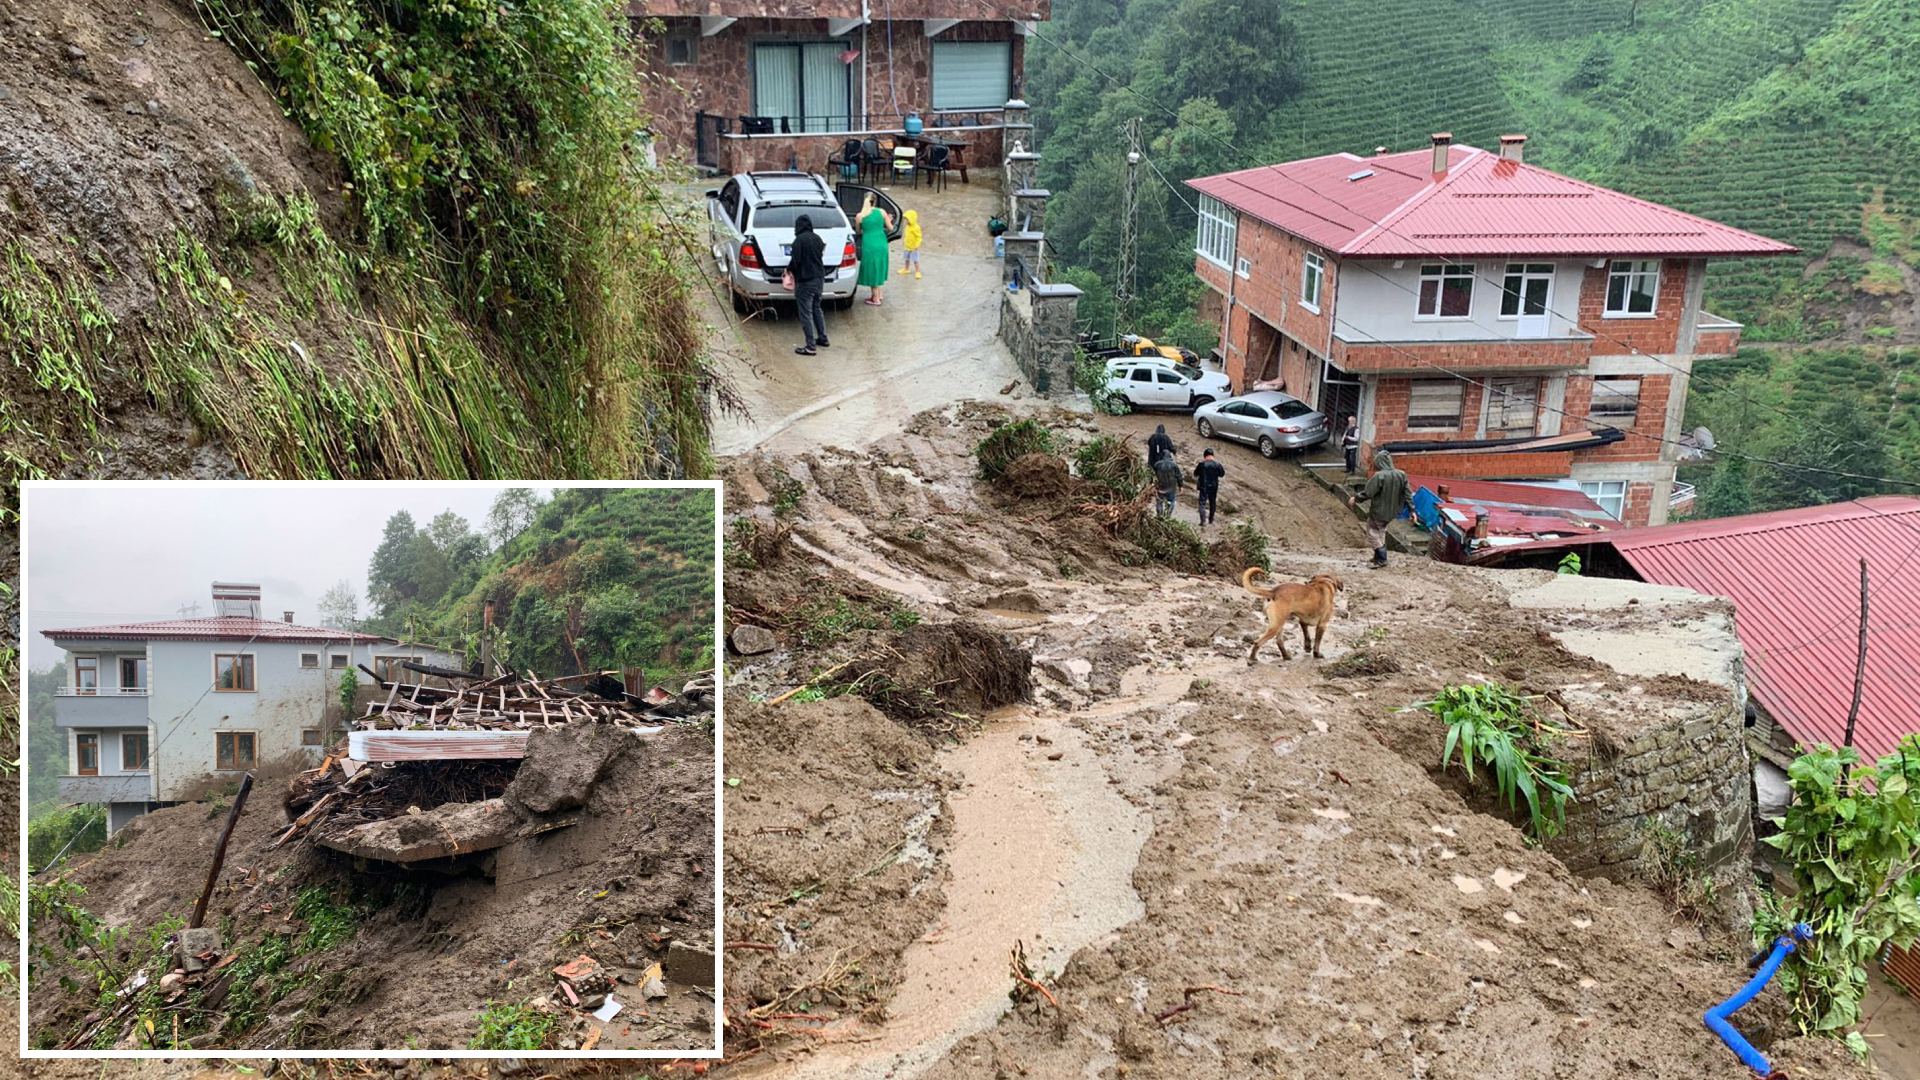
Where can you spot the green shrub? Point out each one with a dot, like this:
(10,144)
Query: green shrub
(1108,463)
(1009,443)
(1168,542)
(1090,378)
(1491,724)
(512,1027)
(84,826)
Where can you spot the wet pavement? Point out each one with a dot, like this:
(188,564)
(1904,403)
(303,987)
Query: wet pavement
(932,342)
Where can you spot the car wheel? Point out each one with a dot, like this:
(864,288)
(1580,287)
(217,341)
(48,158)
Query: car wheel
(1206,429)
(1269,448)
(740,305)
(843,303)
(1200,400)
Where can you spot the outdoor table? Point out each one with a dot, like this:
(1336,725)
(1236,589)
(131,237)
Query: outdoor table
(956,148)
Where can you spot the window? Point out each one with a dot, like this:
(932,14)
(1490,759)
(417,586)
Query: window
(133,752)
(1526,289)
(133,673)
(86,674)
(804,83)
(1313,273)
(1611,495)
(1243,268)
(1435,404)
(1616,399)
(233,750)
(972,74)
(1513,406)
(682,49)
(1141,375)
(1446,292)
(86,754)
(388,668)
(310,736)
(1217,229)
(1631,288)
(233,672)
(787,215)
(310,659)
(1170,377)
(339,660)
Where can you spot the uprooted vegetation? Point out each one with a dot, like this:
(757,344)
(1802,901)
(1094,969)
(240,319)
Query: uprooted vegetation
(324,949)
(439,262)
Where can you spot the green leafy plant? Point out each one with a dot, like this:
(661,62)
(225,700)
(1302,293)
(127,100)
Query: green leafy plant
(505,1026)
(1672,867)
(1570,563)
(1491,724)
(1090,378)
(1009,443)
(1110,464)
(1852,838)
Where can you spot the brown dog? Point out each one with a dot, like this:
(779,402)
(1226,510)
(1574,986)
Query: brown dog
(1311,603)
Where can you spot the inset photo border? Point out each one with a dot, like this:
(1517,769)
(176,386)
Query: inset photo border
(350,769)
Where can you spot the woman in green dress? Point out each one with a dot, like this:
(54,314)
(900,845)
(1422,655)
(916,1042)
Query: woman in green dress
(873,224)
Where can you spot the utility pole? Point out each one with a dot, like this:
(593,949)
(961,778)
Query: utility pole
(486,639)
(1128,272)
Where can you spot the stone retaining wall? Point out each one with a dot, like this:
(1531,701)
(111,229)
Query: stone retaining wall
(1036,323)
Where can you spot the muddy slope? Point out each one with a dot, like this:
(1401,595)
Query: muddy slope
(436,941)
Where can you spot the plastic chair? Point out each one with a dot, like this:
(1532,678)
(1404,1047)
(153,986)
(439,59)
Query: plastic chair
(906,162)
(938,160)
(849,157)
(872,159)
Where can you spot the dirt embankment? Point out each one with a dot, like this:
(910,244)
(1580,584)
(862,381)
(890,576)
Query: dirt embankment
(427,946)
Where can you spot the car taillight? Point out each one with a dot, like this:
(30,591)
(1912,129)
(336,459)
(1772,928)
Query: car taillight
(749,256)
(848,256)
(1290,429)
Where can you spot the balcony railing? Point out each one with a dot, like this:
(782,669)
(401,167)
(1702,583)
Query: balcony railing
(100,691)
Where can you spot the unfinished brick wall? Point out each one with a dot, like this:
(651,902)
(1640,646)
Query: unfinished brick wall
(1390,402)
(1720,342)
(1271,294)
(1616,336)
(1516,466)
(1645,431)
(1509,355)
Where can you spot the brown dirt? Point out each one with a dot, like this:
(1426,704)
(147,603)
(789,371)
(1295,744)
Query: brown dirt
(945,673)
(1039,476)
(438,941)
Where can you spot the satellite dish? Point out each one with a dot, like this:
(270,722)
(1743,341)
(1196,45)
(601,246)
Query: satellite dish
(1703,437)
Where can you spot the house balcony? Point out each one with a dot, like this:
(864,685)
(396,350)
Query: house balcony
(1715,336)
(113,787)
(107,707)
(725,145)
(1357,354)
(841,15)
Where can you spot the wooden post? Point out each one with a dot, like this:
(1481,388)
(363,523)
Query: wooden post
(486,639)
(1860,659)
(220,851)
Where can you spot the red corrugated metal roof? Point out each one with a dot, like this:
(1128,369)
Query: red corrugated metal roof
(1481,206)
(217,628)
(1505,494)
(1794,578)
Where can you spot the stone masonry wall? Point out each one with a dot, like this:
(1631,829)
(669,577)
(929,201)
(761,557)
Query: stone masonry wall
(1043,349)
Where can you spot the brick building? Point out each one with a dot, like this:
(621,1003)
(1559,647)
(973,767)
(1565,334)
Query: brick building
(1452,295)
(738,85)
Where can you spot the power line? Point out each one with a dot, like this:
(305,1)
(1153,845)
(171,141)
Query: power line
(1379,224)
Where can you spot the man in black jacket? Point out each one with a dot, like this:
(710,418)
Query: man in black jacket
(1159,445)
(809,271)
(1206,477)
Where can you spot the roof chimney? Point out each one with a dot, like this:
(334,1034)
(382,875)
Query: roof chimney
(288,616)
(1511,146)
(232,598)
(1441,140)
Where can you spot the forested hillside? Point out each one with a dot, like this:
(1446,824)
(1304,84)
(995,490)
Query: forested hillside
(596,578)
(1799,119)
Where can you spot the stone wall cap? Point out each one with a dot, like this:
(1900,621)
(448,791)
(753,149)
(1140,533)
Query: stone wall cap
(1023,155)
(1057,290)
(1031,236)
(1032,193)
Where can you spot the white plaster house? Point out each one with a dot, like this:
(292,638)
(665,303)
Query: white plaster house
(154,712)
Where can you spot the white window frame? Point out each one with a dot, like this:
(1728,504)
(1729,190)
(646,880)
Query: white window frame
(344,661)
(1220,227)
(1525,272)
(1626,295)
(1313,270)
(1243,268)
(1443,272)
(313,656)
(1460,411)
(1597,491)
(1593,406)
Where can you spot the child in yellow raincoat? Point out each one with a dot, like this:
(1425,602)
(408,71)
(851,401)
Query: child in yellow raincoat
(910,242)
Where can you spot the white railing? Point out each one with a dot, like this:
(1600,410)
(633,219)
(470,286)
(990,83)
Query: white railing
(1682,495)
(100,691)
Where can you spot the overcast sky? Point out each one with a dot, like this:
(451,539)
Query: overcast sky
(117,554)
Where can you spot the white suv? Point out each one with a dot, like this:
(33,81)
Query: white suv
(750,227)
(1155,382)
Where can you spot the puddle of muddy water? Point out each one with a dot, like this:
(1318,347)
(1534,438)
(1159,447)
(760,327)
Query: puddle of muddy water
(1042,851)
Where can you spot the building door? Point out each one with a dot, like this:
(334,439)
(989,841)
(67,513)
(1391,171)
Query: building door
(1513,407)
(1527,295)
(1339,395)
(86,754)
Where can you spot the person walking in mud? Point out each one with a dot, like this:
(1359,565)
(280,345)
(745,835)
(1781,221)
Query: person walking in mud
(1159,445)
(1206,480)
(809,270)
(1167,475)
(873,224)
(1350,442)
(1386,494)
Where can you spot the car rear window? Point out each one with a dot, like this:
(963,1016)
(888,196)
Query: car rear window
(1287,410)
(782,217)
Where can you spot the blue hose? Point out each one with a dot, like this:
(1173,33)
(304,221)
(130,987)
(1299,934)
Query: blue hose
(1717,1017)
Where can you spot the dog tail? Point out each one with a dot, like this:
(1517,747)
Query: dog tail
(1246,582)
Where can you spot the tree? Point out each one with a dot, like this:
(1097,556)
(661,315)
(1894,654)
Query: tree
(1728,493)
(340,607)
(1232,50)
(459,545)
(392,572)
(513,510)
(1595,68)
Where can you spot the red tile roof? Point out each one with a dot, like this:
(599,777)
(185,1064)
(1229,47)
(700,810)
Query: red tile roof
(1794,578)
(1511,495)
(217,628)
(1481,206)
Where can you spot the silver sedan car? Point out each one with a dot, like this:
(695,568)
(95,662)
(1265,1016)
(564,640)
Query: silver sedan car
(1268,420)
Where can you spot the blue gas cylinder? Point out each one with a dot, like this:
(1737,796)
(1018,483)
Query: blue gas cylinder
(913,124)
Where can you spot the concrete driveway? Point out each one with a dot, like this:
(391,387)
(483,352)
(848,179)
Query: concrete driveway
(931,343)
